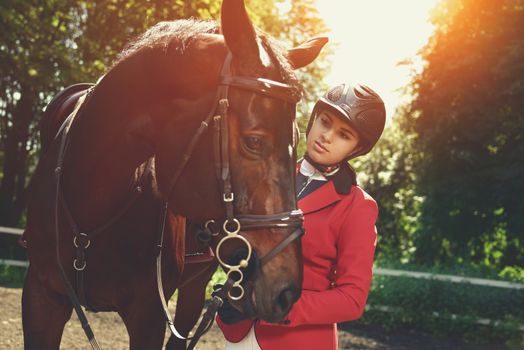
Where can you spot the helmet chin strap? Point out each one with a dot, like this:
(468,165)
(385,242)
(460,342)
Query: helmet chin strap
(326,170)
(330,170)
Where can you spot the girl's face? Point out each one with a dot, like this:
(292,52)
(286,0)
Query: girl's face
(330,139)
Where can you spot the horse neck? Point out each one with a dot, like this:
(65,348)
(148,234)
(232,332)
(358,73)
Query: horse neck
(101,159)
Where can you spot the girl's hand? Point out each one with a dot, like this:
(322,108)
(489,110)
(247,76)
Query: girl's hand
(227,313)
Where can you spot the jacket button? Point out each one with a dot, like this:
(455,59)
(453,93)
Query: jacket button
(333,284)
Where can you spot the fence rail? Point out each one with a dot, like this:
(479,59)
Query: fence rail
(448,278)
(377,271)
(11,230)
(17,263)
(16,232)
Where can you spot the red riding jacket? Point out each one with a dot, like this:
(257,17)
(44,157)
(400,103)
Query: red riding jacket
(338,249)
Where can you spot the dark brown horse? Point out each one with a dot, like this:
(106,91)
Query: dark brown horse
(149,106)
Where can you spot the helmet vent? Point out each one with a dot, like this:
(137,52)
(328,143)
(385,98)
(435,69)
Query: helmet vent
(335,93)
(363,92)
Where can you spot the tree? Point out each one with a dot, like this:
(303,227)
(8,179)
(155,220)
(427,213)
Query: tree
(467,120)
(389,175)
(35,63)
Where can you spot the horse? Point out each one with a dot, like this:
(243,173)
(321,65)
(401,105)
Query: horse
(128,152)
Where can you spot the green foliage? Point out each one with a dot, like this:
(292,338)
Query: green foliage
(218,277)
(12,276)
(35,61)
(467,120)
(388,174)
(447,308)
(447,173)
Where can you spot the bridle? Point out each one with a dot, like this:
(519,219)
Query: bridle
(233,223)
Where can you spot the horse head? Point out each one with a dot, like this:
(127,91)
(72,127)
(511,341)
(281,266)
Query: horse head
(239,91)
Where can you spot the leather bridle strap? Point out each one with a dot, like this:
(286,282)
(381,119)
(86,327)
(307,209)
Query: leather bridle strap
(209,316)
(81,240)
(281,220)
(68,287)
(223,144)
(262,86)
(244,222)
(283,244)
(187,155)
(159,283)
(294,218)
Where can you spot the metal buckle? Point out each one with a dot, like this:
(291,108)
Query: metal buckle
(213,233)
(228,199)
(79,268)
(235,231)
(87,240)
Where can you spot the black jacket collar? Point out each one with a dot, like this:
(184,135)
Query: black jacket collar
(344,179)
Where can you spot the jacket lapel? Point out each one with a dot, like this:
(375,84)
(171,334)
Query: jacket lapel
(321,198)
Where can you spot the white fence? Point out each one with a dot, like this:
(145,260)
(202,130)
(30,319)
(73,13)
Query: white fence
(448,278)
(17,232)
(376,271)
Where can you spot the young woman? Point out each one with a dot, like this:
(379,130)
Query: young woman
(340,238)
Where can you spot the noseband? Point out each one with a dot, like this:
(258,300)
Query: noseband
(233,224)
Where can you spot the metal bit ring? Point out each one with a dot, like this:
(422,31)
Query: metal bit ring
(243,262)
(235,231)
(239,296)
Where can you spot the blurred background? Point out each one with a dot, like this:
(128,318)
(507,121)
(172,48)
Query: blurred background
(448,173)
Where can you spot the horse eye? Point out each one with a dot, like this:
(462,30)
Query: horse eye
(254,143)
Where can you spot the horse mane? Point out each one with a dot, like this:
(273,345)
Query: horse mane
(161,35)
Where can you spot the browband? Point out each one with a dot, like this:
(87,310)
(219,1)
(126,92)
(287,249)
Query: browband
(263,86)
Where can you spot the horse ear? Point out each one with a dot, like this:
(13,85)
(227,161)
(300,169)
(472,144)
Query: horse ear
(306,52)
(238,31)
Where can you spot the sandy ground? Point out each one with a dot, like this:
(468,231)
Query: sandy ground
(111,333)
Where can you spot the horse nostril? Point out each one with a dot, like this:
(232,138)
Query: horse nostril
(286,298)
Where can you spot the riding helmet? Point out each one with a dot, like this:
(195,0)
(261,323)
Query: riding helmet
(360,106)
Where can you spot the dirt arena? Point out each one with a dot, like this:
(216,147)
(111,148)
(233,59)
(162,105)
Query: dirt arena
(111,333)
